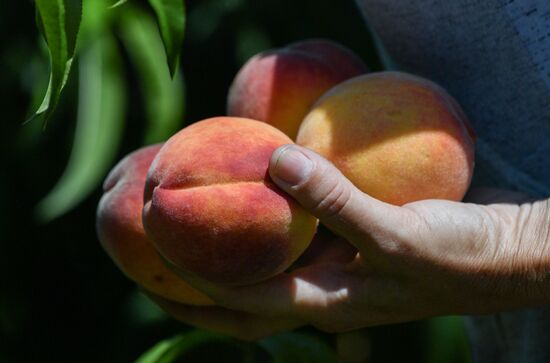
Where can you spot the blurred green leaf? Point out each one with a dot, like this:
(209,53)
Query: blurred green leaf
(142,310)
(59,22)
(167,351)
(164,97)
(98,16)
(118,3)
(99,127)
(298,348)
(171,20)
(39,23)
(448,340)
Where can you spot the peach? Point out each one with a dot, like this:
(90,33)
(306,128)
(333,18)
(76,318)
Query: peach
(398,137)
(211,209)
(121,232)
(279,86)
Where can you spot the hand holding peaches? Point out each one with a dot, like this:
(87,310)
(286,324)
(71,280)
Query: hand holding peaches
(230,204)
(423,259)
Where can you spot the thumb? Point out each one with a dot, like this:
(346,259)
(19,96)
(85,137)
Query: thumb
(326,193)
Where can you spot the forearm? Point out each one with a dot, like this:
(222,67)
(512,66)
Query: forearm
(516,271)
(531,236)
(493,253)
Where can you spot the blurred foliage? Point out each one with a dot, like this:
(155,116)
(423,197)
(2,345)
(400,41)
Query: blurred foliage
(102,94)
(99,121)
(164,98)
(61,298)
(448,341)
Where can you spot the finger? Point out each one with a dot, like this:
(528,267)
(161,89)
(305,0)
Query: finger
(337,251)
(237,324)
(304,294)
(325,248)
(324,191)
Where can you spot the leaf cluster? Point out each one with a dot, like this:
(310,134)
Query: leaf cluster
(95,35)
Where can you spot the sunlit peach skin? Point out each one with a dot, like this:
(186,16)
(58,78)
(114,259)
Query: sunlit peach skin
(398,137)
(211,209)
(279,86)
(121,233)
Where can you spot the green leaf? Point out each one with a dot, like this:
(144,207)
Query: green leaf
(141,310)
(73,17)
(448,340)
(298,348)
(164,97)
(167,351)
(118,3)
(39,23)
(171,20)
(98,132)
(59,22)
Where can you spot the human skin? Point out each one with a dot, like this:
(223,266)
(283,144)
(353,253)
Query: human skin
(325,247)
(279,86)
(238,324)
(423,259)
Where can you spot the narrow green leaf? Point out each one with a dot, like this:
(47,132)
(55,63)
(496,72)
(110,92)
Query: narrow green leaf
(58,21)
(298,348)
(167,351)
(118,3)
(98,132)
(73,18)
(164,97)
(171,20)
(39,23)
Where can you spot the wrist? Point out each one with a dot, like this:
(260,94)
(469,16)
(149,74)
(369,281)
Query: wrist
(532,245)
(521,263)
(505,264)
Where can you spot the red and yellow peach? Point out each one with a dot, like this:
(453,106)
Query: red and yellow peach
(279,86)
(211,209)
(121,233)
(398,137)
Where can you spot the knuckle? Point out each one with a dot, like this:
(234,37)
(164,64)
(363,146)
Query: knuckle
(333,202)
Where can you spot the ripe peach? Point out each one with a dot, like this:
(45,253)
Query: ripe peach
(279,86)
(397,137)
(121,232)
(211,209)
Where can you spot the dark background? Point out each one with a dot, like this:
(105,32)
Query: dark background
(61,297)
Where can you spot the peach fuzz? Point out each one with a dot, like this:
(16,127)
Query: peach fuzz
(211,209)
(398,137)
(121,232)
(279,86)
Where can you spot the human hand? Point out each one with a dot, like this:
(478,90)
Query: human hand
(237,324)
(423,259)
(247,326)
